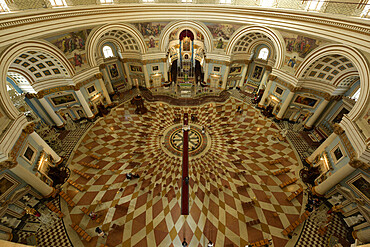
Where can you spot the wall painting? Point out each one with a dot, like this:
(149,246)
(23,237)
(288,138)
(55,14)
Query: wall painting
(73,46)
(306,101)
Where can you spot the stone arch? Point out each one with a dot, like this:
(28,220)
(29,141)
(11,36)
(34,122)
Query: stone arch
(268,44)
(93,39)
(357,59)
(8,57)
(274,36)
(102,43)
(165,34)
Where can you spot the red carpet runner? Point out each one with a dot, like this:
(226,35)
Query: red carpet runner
(185,169)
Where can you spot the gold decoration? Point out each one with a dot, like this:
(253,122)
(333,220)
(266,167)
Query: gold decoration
(8,164)
(338,129)
(99,76)
(29,128)
(355,163)
(102,66)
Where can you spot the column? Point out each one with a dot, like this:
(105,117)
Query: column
(44,117)
(264,79)
(128,74)
(317,113)
(205,66)
(32,180)
(56,119)
(337,131)
(103,69)
(266,92)
(363,235)
(104,89)
(334,179)
(165,72)
(285,105)
(146,75)
(46,147)
(244,73)
(224,79)
(84,104)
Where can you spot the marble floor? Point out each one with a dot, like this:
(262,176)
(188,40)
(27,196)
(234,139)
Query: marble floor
(229,172)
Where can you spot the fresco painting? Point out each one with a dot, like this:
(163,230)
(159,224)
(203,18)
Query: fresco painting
(299,44)
(73,46)
(151,32)
(224,31)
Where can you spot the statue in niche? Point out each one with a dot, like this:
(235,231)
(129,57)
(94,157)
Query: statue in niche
(334,200)
(353,220)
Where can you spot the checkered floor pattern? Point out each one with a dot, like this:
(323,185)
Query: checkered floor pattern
(54,236)
(146,211)
(311,237)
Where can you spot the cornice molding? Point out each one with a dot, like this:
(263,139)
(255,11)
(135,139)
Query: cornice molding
(55,20)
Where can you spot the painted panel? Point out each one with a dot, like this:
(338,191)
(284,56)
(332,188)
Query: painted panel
(73,46)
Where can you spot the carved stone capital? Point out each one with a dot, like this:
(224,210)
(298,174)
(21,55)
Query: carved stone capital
(327,96)
(337,129)
(268,68)
(8,164)
(144,62)
(30,95)
(29,128)
(40,95)
(102,66)
(272,77)
(77,87)
(295,89)
(355,163)
(99,76)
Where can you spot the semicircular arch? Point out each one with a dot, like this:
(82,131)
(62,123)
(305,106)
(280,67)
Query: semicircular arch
(275,37)
(94,39)
(359,61)
(202,28)
(10,54)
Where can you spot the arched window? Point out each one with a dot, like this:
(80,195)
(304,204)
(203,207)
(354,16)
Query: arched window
(264,53)
(3,6)
(108,52)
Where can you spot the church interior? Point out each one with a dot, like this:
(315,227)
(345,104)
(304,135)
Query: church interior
(184,123)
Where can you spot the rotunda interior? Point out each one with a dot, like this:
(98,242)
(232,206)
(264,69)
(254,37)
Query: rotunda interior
(184,123)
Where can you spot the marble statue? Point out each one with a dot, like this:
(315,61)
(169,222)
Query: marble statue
(350,221)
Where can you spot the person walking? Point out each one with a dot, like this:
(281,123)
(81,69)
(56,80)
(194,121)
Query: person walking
(100,232)
(210,244)
(184,243)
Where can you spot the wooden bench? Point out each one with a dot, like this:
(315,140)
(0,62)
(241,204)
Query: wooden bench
(253,222)
(295,194)
(281,171)
(95,156)
(82,174)
(291,181)
(74,184)
(262,242)
(87,212)
(296,223)
(90,165)
(53,208)
(67,198)
(81,232)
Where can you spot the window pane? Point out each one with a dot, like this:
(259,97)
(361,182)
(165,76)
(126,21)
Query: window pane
(3,6)
(264,52)
(267,3)
(108,52)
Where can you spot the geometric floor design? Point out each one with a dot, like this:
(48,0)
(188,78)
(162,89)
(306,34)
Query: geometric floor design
(146,211)
(336,232)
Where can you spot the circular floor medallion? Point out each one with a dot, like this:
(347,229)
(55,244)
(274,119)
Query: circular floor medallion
(173,140)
